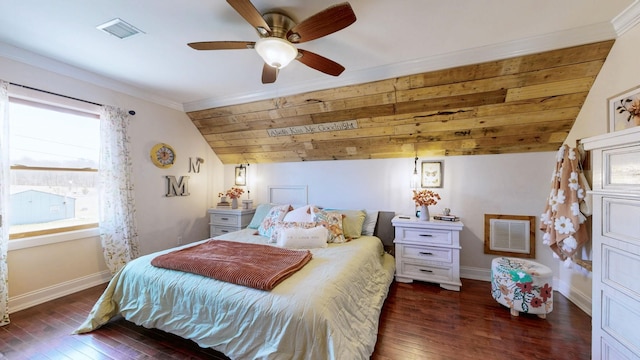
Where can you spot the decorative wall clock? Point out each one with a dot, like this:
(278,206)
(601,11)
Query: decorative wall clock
(163,155)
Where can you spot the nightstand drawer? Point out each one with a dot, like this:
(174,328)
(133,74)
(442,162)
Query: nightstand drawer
(432,237)
(221,230)
(225,219)
(425,253)
(222,221)
(432,273)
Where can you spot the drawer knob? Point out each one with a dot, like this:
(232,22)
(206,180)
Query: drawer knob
(429,235)
(224,218)
(425,253)
(427,271)
(224,231)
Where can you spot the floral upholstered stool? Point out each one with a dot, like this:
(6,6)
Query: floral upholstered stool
(522,286)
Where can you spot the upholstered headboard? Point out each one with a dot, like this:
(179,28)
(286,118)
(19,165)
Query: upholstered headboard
(384,229)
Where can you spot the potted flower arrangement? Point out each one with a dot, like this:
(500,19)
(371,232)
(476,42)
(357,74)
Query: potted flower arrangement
(424,198)
(234,194)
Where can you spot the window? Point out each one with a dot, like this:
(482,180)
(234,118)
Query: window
(54,151)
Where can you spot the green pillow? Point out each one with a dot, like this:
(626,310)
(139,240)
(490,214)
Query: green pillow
(352,222)
(261,211)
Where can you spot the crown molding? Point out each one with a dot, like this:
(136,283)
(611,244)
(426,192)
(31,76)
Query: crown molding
(583,35)
(43,62)
(557,40)
(627,19)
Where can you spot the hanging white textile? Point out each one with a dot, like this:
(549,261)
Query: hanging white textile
(4,201)
(562,221)
(118,229)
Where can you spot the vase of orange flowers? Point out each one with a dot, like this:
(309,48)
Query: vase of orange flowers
(234,194)
(424,198)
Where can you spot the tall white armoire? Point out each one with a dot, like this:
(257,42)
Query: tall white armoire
(616,244)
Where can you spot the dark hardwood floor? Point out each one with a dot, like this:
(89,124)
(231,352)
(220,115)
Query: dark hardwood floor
(418,321)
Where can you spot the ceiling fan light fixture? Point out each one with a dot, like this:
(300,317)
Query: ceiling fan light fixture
(276,52)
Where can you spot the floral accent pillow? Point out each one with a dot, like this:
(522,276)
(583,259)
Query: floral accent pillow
(333,222)
(352,222)
(281,226)
(275,214)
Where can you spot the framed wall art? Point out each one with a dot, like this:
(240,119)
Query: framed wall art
(432,174)
(624,110)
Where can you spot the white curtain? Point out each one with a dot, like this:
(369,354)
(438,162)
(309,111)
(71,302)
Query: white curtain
(4,201)
(118,230)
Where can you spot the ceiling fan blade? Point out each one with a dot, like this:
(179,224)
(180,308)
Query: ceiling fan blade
(320,63)
(269,74)
(249,12)
(222,45)
(328,21)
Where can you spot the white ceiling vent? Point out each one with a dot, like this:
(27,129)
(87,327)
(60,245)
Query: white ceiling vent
(119,28)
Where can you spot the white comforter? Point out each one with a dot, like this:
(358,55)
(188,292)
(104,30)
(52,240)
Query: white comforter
(329,309)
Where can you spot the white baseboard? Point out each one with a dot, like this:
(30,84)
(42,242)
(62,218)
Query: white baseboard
(580,299)
(577,297)
(37,297)
(475,273)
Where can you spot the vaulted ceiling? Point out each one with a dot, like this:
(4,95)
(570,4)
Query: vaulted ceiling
(522,104)
(422,77)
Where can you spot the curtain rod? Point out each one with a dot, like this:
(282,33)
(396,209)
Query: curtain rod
(52,93)
(131,112)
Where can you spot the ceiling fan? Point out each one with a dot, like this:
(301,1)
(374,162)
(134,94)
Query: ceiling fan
(278,34)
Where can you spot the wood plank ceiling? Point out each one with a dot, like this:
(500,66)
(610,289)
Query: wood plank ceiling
(522,104)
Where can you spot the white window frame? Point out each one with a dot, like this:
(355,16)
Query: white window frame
(31,95)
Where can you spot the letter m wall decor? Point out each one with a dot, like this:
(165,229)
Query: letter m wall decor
(178,187)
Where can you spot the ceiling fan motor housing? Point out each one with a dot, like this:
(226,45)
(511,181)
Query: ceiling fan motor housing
(279,23)
(279,34)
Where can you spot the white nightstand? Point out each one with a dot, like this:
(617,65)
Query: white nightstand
(428,251)
(222,221)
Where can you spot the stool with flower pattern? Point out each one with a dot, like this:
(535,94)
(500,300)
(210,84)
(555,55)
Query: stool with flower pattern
(522,286)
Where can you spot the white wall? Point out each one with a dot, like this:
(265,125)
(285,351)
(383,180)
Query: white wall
(510,184)
(474,185)
(619,74)
(52,270)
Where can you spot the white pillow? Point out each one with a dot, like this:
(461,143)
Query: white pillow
(300,238)
(370,221)
(282,225)
(301,214)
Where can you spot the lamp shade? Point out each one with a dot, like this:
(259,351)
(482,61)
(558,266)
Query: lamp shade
(276,52)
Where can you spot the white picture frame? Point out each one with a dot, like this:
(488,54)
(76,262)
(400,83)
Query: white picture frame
(620,117)
(431,175)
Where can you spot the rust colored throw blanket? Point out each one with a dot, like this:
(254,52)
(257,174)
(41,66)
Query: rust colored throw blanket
(253,265)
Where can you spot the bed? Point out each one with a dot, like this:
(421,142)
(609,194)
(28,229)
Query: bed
(329,309)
